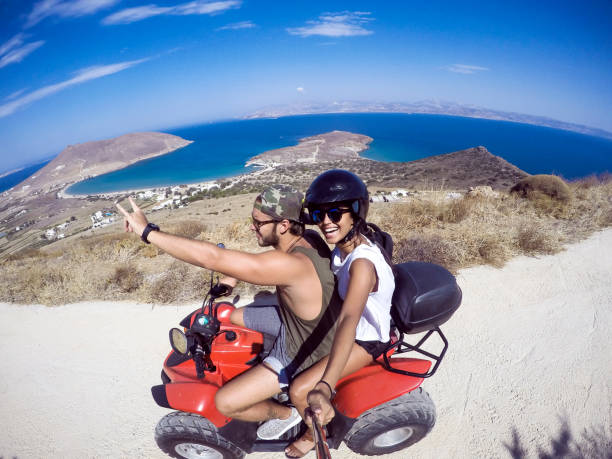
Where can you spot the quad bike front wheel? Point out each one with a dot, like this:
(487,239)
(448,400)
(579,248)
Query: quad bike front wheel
(189,436)
(394,425)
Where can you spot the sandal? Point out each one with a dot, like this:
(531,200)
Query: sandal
(292,451)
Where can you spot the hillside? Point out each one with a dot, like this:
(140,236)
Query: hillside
(453,171)
(81,161)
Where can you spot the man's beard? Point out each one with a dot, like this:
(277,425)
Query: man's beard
(270,240)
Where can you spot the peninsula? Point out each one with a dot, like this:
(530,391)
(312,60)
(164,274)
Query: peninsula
(33,212)
(86,160)
(331,146)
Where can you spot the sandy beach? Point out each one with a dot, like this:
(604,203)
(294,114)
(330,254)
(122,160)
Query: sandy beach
(529,348)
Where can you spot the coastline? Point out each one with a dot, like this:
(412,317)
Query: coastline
(331,145)
(63,194)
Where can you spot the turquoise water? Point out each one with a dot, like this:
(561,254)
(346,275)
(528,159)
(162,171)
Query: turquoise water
(221,149)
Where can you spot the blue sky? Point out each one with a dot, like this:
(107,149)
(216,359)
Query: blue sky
(78,70)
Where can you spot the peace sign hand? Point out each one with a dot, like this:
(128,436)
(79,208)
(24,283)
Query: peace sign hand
(135,221)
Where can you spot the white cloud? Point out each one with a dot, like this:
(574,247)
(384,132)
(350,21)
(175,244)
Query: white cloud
(17,55)
(83,75)
(139,13)
(135,14)
(299,89)
(15,94)
(238,25)
(344,24)
(465,69)
(15,50)
(66,9)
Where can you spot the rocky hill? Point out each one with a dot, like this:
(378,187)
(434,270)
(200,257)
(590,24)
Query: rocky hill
(81,161)
(453,171)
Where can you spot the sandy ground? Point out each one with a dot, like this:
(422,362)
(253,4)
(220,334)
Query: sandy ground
(530,346)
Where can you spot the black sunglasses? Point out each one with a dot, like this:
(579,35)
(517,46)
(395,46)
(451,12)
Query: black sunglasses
(258,224)
(334,214)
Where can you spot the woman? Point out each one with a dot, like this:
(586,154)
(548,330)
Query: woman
(338,201)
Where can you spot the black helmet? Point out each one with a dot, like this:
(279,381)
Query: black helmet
(338,185)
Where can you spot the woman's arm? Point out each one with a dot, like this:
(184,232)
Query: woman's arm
(362,282)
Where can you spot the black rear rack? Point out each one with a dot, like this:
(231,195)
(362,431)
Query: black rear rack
(403,347)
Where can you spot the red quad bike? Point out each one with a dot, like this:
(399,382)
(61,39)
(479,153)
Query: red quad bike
(379,409)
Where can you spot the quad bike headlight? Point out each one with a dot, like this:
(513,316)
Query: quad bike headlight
(178,341)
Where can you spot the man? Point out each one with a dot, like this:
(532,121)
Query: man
(308,301)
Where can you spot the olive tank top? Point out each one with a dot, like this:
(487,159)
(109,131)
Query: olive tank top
(308,341)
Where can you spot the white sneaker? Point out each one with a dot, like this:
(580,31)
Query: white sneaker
(274,428)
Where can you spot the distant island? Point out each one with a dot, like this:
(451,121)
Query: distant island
(335,145)
(432,107)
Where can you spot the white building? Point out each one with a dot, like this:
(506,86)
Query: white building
(161,205)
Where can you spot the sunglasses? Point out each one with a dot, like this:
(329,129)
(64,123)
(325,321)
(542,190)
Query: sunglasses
(258,224)
(334,214)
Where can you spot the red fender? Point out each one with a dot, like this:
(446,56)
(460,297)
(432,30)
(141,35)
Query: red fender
(196,398)
(373,385)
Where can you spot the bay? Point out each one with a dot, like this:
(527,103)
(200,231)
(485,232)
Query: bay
(221,149)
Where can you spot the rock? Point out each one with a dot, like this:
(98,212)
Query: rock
(483,190)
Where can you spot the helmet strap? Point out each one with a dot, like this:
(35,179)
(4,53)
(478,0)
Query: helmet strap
(350,235)
(352,232)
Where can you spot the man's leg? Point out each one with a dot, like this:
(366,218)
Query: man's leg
(264,319)
(247,396)
(237,317)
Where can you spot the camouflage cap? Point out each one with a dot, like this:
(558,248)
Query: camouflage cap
(280,201)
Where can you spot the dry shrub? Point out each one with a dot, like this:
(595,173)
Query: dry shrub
(604,219)
(239,232)
(457,210)
(593,180)
(430,248)
(126,248)
(405,216)
(586,182)
(187,228)
(179,283)
(493,251)
(148,251)
(547,205)
(549,185)
(127,278)
(533,238)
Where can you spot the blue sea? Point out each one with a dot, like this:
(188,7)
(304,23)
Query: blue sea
(221,149)
(10,180)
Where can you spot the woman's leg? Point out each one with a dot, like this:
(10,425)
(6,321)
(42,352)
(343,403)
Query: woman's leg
(300,386)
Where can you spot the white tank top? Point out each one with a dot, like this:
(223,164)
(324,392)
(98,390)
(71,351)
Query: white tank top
(375,320)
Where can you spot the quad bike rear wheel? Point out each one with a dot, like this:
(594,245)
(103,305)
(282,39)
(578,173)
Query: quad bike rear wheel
(394,425)
(189,436)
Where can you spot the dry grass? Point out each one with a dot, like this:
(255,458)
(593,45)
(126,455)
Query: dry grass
(455,233)
(458,233)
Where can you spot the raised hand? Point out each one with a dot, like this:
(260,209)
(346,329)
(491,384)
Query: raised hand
(135,221)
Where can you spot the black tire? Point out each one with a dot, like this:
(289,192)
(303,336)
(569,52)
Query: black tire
(394,425)
(187,435)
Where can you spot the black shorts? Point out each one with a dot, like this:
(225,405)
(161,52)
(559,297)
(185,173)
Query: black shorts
(374,348)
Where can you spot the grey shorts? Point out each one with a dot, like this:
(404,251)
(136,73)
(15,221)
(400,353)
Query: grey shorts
(266,320)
